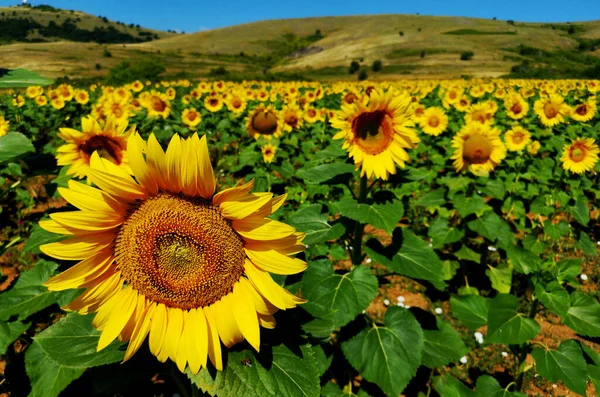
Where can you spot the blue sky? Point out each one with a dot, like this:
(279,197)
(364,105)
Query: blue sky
(196,15)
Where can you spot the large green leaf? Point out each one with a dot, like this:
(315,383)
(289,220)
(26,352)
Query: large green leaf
(442,234)
(9,332)
(594,376)
(415,258)
(523,260)
(326,172)
(442,346)
(583,315)
(276,371)
(471,310)
(489,387)
(581,212)
(346,295)
(468,205)
(449,386)
(73,341)
(501,278)
(554,297)
(568,269)
(28,294)
(14,145)
(388,355)
(48,378)
(434,198)
(311,221)
(564,364)
(506,324)
(383,216)
(20,78)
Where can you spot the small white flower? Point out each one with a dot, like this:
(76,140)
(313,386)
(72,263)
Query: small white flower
(479,191)
(598,242)
(306,245)
(493,249)
(400,298)
(368,260)
(351,248)
(464,359)
(364,311)
(430,245)
(386,302)
(478,337)
(583,277)
(400,304)
(407,307)
(554,386)
(438,310)
(504,354)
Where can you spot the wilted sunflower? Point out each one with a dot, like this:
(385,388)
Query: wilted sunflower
(477,148)
(434,121)
(109,142)
(268,152)
(580,156)
(264,121)
(517,138)
(163,256)
(4,126)
(377,135)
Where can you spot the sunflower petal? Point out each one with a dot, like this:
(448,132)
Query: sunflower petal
(127,301)
(244,313)
(158,328)
(274,262)
(214,345)
(207,183)
(262,229)
(78,247)
(243,207)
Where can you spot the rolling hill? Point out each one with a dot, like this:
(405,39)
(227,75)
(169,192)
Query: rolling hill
(408,46)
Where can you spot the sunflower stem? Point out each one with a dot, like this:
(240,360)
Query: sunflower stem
(360,228)
(525,347)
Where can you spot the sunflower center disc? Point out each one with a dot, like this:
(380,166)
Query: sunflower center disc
(372,131)
(477,149)
(550,111)
(265,123)
(577,154)
(581,110)
(179,251)
(434,121)
(516,108)
(106,147)
(517,138)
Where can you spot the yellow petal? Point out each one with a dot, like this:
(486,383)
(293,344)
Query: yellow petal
(135,149)
(245,206)
(135,318)
(196,338)
(245,314)
(117,186)
(89,198)
(274,262)
(261,304)
(78,247)
(288,245)
(56,228)
(99,291)
(83,272)
(233,193)
(87,220)
(190,172)
(158,328)
(119,318)
(226,325)
(155,159)
(270,207)
(266,321)
(206,184)
(173,159)
(262,229)
(214,345)
(173,336)
(264,284)
(139,333)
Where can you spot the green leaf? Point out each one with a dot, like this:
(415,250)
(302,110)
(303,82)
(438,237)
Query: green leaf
(471,310)
(580,212)
(592,354)
(534,244)
(554,297)
(449,386)
(568,269)
(583,315)
(556,231)
(276,371)
(346,295)
(487,386)
(311,221)
(326,172)
(564,364)
(434,198)
(468,205)
(586,245)
(383,216)
(21,78)
(73,341)
(414,259)
(501,278)
(390,355)
(443,346)
(39,237)
(487,226)
(48,378)
(442,234)
(506,324)
(594,376)
(467,254)
(28,295)
(522,260)
(494,188)
(323,362)
(14,145)
(9,332)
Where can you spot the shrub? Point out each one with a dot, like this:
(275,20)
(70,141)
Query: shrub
(126,72)
(377,66)
(218,71)
(401,33)
(98,66)
(423,53)
(466,55)
(362,75)
(354,66)
(107,53)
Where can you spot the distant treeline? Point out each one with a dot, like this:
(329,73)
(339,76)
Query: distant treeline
(18,29)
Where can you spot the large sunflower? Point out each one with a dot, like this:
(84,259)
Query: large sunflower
(264,121)
(377,135)
(580,156)
(109,142)
(163,256)
(477,148)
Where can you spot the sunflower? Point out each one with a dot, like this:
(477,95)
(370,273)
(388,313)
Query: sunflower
(65,91)
(268,152)
(34,91)
(580,156)
(41,100)
(463,104)
(4,126)
(109,142)
(517,138)
(191,117)
(533,147)
(213,103)
(377,135)
(137,86)
(58,103)
(82,97)
(292,117)
(156,104)
(434,121)
(551,110)
(312,114)
(236,103)
(584,111)
(164,257)
(18,101)
(479,113)
(477,148)
(264,121)
(516,106)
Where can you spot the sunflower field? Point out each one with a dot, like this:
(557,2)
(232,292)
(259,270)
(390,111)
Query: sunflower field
(417,238)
